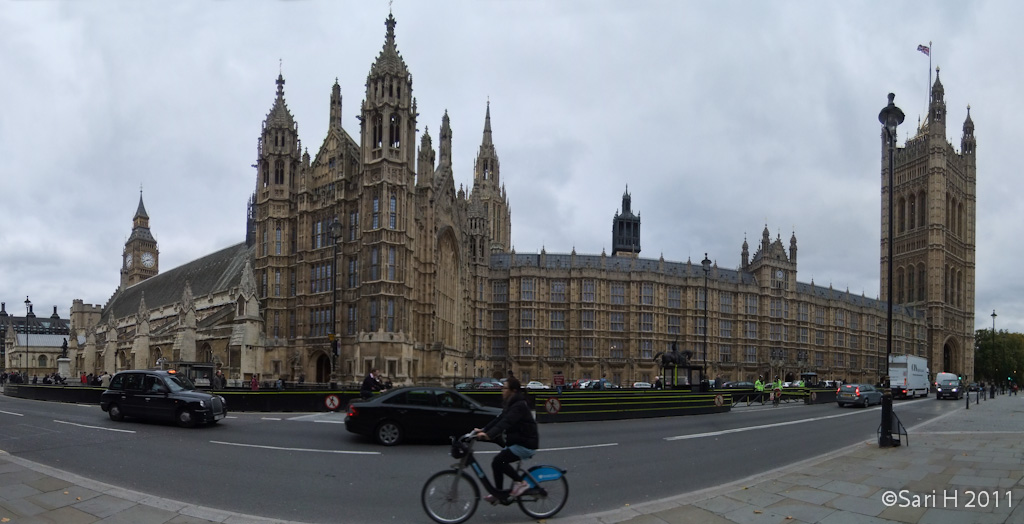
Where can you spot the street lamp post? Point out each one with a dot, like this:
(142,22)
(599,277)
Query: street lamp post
(890,117)
(878,350)
(704,374)
(28,312)
(335,232)
(994,334)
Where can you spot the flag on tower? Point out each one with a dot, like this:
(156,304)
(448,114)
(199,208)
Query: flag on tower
(925,49)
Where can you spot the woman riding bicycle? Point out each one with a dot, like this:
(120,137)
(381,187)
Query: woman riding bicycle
(521,437)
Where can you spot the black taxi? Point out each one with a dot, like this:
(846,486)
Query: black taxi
(160,395)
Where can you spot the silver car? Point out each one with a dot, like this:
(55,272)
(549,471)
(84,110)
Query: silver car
(862,395)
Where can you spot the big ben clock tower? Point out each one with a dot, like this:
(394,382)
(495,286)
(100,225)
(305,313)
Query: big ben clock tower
(141,257)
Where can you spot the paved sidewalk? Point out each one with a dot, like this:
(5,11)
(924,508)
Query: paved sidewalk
(966,457)
(969,457)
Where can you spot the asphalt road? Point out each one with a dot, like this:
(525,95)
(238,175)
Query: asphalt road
(306,467)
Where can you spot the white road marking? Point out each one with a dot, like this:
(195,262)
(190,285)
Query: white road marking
(93,427)
(569,448)
(12,413)
(336,451)
(752,428)
(270,418)
(328,421)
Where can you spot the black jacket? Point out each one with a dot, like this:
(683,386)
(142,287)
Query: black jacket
(516,422)
(370,384)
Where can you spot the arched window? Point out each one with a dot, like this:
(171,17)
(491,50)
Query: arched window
(374,263)
(901,214)
(378,131)
(391,263)
(960,220)
(393,212)
(277,241)
(279,172)
(910,284)
(395,131)
(42,361)
(899,286)
(922,204)
(912,212)
(921,275)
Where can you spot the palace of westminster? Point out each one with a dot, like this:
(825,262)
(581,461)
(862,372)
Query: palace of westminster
(368,247)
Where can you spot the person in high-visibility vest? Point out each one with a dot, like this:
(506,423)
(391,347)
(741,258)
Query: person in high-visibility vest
(758,385)
(778,382)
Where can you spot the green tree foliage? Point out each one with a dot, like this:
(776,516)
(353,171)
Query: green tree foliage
(998,357)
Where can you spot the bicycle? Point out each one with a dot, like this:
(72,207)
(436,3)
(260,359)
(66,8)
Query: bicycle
(452,496)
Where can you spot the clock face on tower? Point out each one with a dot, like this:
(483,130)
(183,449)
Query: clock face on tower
(128,260)
(148,259)
(778,274)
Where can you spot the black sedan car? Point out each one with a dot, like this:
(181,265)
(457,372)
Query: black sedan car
(160,395)
(949,389)
(862,395)
(429,413)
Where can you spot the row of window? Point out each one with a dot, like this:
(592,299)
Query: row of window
(777,307)
(320,274)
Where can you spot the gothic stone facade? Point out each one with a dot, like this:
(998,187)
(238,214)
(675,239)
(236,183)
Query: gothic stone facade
(368,243)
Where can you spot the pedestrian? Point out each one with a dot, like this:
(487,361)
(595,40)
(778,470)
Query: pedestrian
(254,382)
(521,439)
(280,384)
(370,384)
(657,383)
(758,384)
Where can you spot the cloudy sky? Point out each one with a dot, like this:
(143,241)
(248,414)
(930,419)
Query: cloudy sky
(721,117)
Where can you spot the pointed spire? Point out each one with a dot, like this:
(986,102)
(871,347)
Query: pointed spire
(968,123)
(335,105)
(446,141)
(938,92)
(487,124)
(389,60)
(279,113)
(141,211)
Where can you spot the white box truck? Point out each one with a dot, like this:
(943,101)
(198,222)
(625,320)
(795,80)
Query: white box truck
(908,376)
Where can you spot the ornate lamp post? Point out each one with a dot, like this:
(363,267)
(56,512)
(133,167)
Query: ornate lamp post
(890,117)
(994,335)
(28,313)
(704,374)
(334,230)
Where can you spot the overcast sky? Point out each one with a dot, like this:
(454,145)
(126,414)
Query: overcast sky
(722,118)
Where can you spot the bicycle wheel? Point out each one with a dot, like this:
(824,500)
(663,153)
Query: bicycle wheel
(450,497)
(544,505)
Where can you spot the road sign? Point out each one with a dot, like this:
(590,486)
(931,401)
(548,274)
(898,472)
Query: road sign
(332,402)
(552,406)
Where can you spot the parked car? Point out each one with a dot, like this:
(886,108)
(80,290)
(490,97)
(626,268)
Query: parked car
(738,385)
(427,413)
(642,385)
(488,384)
(949,389)
(862,395)
(533,384)
(160,395)
(973,386)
